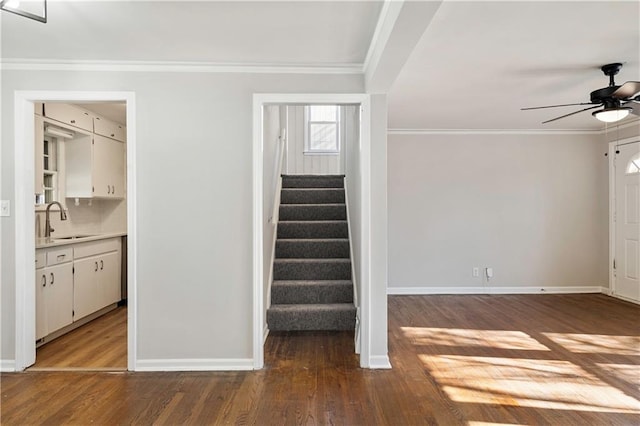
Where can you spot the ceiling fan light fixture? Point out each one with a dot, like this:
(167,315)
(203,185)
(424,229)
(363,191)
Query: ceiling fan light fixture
(611,115)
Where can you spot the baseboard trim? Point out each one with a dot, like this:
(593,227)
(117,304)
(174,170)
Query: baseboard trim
(379,362)
(495,290)
(214,364)
(7,365)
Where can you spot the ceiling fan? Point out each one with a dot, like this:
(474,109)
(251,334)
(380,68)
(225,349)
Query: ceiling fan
(617,101)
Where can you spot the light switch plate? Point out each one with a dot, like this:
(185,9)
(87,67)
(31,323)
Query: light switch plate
(5,208)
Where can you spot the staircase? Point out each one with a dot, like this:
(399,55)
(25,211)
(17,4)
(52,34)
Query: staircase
(312,287)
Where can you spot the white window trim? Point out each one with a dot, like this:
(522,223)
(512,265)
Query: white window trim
(307,137)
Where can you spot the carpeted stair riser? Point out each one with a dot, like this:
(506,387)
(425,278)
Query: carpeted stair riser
(313,212)
(312,269)
(312,196)
(320,229)
(312,317)
(313,249)
(311,181)
(311,292)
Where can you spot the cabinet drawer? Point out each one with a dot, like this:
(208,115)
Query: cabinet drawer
(61,255)
(41,259)
(93,248)
(69,114)
(110,129)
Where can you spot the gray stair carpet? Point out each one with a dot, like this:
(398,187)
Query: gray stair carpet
(312,287)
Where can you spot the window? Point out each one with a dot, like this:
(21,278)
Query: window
(634,165)
(322,129)
(50,163)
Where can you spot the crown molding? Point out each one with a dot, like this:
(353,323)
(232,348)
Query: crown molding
(19,64)
(602,131)
(404,132)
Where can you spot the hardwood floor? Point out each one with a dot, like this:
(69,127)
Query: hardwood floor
(100,344)
(468,360)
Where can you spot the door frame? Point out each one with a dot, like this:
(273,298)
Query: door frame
(612,212)
(24,172)
(260,100)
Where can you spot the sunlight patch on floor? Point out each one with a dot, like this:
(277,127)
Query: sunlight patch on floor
(630,373)
(597,343)
(472,423)
(500,339)
(516,382)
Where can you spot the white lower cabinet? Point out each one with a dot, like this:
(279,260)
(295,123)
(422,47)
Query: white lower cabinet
(97,276)
(74,281)
(54,292)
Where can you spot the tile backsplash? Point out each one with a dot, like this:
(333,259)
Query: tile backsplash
(101,216)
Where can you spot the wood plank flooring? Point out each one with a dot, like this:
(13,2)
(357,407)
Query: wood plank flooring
(100,344)
(457,360)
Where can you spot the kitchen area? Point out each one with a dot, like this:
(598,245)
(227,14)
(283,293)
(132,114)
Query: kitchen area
(81,235)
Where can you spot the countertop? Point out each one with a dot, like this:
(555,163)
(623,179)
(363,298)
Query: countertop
(55,242)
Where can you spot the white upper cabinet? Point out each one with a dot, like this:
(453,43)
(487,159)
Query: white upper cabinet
(69,114)
(110,129)
(95,167)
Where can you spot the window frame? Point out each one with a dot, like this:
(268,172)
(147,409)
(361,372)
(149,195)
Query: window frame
(308,149)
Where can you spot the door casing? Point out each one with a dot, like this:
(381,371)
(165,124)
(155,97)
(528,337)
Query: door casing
(25,312)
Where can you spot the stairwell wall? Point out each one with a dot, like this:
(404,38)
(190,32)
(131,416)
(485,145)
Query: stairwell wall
(271,152)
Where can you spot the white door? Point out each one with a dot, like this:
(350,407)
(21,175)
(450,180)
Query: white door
(627,221)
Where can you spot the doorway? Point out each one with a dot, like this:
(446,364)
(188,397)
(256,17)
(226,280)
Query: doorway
(625,232)
(25,217)
(261,215)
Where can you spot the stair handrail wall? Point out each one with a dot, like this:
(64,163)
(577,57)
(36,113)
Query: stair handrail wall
(356,301)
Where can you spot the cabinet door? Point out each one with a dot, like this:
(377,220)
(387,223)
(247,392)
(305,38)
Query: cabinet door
(59,296)
(110,278)
(110,129)
(85,289)
(108,167)
(41,311)
(39,155)
(69,114)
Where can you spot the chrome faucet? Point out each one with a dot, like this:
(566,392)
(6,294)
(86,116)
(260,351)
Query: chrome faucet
(47,224)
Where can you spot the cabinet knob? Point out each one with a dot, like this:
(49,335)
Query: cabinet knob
(73,121)
(44,280)
(96,270)
(101,265)
(52,278)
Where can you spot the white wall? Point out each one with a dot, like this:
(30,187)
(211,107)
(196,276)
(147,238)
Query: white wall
(353,182)
(299,163)
(533,207)
(194,181)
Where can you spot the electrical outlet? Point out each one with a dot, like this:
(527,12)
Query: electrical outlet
(476,271)
(5,208)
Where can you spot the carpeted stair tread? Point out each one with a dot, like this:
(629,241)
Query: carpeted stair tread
(312,269)
(311,292)
(313,248)
(313,181)
(313,229)
(312,196)
(334,316)
(327,211)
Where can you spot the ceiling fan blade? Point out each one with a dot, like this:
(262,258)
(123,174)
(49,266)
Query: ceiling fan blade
(555,106)
(627,90)
(572,113)
(635,107)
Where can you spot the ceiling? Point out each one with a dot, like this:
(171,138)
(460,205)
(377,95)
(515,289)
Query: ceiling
(476,64)
(479,62)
